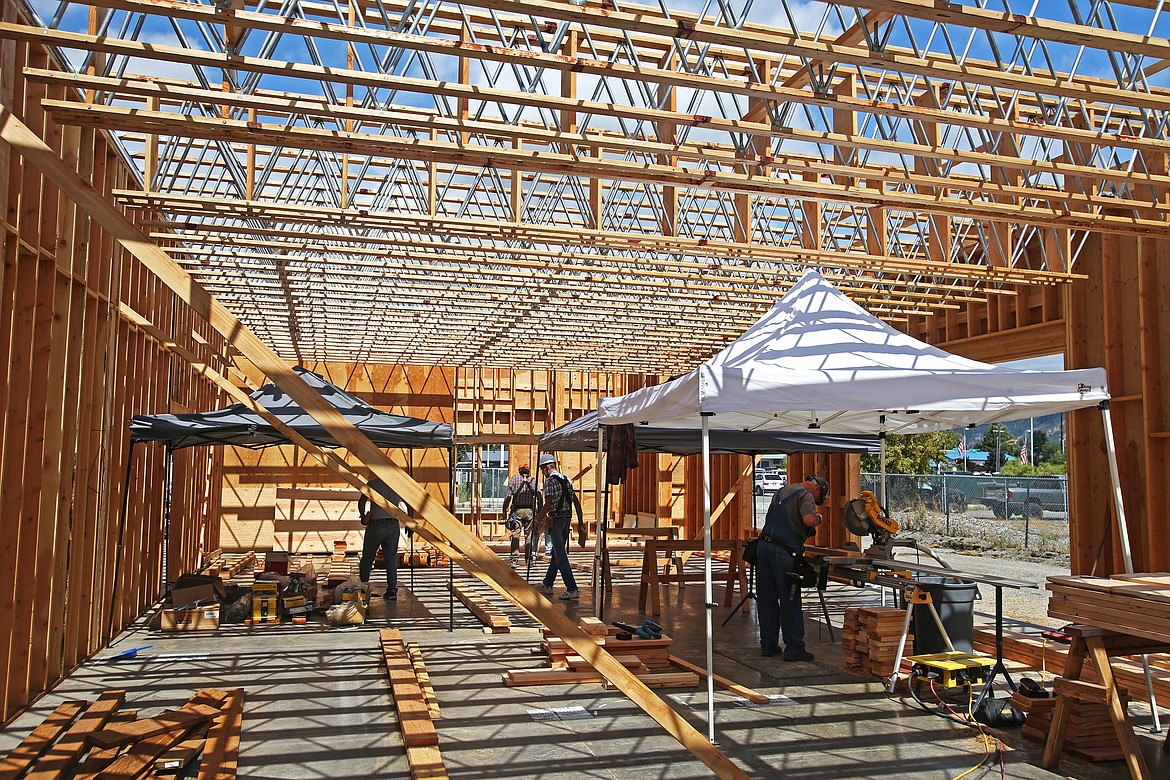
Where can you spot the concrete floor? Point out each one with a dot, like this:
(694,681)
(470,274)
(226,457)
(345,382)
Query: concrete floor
(318,705)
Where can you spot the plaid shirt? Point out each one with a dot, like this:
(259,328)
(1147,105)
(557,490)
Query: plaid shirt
(554,487)
(514,485)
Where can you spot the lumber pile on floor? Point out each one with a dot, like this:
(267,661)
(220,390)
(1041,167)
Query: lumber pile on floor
(649,659)
(495,620)
(1134,604)
(1089,735)
(869,639)
(100,740)
(411,703)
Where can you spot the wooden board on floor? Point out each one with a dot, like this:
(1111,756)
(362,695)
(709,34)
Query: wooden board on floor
(37,742)
(61,757)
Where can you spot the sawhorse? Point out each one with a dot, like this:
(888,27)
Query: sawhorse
(1098,645)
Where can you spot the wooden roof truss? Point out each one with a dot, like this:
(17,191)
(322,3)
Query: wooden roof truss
(612,186)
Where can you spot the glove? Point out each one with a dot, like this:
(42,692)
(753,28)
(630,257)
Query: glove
(581,534)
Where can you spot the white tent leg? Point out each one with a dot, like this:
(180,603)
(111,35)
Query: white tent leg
(882,458)
(1123,532)
(707,603)
(598,530)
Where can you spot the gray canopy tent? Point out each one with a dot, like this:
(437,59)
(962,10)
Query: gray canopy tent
(586,434)
(239,426)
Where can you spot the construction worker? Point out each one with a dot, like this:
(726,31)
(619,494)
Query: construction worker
(792,517)
(382,530)
(559,502)
(523,498)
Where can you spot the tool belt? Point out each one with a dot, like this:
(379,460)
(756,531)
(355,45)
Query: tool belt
(777,541)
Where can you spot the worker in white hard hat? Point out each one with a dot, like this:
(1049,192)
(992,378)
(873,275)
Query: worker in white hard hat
(559,502)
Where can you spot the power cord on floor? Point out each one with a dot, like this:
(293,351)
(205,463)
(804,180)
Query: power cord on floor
(967,720)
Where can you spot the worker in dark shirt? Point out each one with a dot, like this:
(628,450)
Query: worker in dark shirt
(792,517)
(382,530)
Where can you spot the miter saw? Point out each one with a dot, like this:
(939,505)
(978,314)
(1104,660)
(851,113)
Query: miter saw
(866,517)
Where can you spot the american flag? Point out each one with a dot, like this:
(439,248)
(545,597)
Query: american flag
(963,447)
(1024,454)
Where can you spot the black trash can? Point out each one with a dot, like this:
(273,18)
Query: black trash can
(954,601)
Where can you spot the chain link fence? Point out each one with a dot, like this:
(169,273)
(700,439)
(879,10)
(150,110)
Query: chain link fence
(1028,512)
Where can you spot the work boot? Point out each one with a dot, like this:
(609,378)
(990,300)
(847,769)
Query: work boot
(571,595)
(803,655)
(769,652)
(545,589)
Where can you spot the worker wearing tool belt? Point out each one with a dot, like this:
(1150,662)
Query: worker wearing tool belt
(792,517)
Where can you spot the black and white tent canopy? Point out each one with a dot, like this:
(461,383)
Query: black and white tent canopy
(239,426)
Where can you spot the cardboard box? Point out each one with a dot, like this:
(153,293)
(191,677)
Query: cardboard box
(197,595)
(199,619)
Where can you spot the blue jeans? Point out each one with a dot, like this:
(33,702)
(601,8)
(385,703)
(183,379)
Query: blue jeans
(384,534)
(559,534)
(777,607)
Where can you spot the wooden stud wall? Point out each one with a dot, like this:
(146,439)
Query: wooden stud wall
(489,406)
(76,372)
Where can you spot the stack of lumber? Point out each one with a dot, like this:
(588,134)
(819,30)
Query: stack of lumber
(1089,734)
(98,740)
(413,704)
(1134,604)
(339,551)
(414,560)
(647,658)
(869,639)
(495,621)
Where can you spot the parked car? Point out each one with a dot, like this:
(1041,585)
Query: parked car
(1030,497)
(769,482)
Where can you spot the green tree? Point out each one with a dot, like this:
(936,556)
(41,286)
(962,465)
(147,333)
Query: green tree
(912,453)
(998,441)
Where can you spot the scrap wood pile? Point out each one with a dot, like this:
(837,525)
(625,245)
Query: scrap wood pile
(869,639)
(100,740)
(1135,604)
(415,703)
(649,659)
(226,565)
(1089,734)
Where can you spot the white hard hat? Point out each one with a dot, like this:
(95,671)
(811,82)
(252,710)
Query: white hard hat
(547,459)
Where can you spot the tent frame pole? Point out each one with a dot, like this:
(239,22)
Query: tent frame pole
(1123,534)
(601,513)
(708,605)
(882,458)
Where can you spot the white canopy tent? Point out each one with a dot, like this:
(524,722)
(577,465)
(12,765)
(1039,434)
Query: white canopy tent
(819,361)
